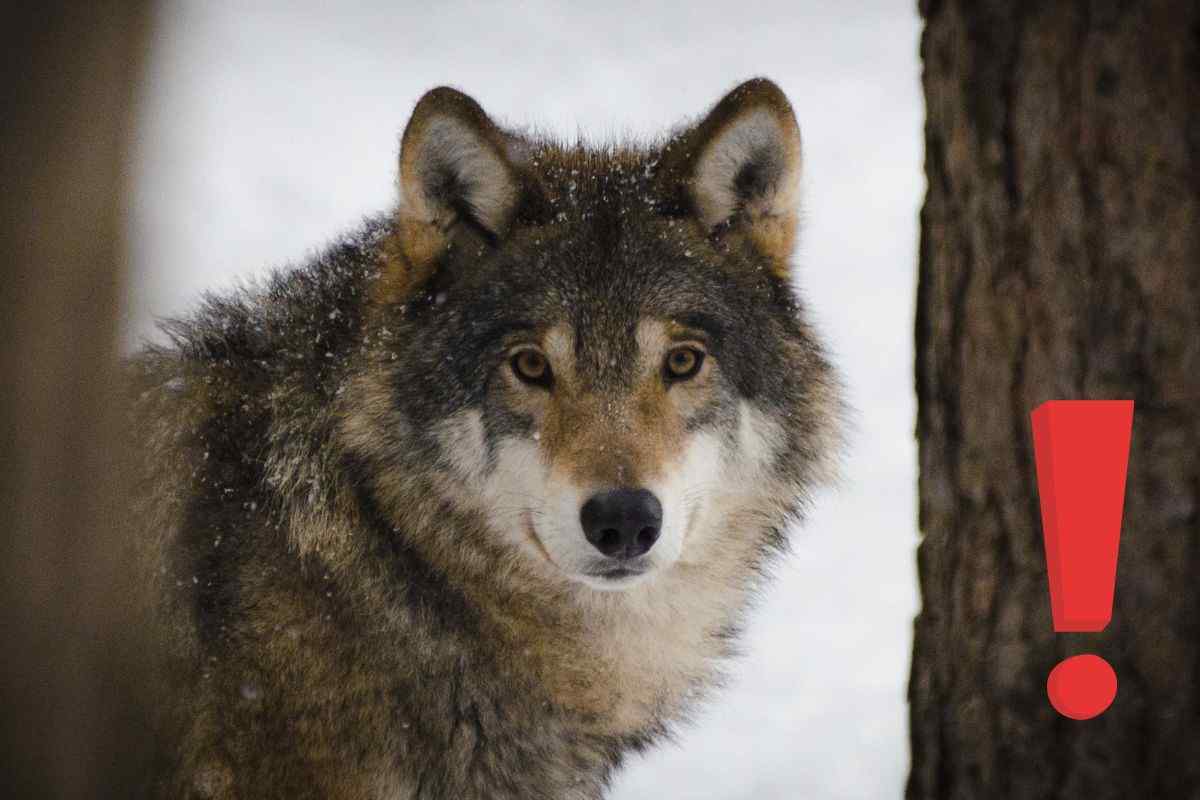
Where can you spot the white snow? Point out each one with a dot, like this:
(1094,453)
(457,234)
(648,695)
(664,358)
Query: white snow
(271,127)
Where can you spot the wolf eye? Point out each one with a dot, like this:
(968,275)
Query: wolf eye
(531,367)
(683,363)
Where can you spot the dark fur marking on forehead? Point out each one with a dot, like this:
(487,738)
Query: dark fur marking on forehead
(702,321)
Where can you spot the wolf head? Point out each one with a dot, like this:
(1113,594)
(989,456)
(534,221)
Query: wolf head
(597,352)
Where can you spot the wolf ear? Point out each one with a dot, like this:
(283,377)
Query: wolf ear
(455,170)
(739,168)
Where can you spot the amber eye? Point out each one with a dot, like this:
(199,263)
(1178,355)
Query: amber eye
(683,363)
(531,367)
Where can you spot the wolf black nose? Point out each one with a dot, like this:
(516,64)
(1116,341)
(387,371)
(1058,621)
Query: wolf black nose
(622,523)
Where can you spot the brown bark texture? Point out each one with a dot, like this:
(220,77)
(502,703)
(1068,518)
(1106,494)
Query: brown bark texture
(73,723)
(1059,259)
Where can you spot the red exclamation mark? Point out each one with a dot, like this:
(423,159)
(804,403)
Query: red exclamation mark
(1082,453)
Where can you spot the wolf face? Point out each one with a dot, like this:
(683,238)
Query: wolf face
(598,352)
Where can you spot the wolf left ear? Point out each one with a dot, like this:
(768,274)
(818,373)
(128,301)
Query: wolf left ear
(739,169)
(455,170)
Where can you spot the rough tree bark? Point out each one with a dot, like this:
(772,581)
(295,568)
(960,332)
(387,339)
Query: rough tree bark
(72,723)
(1059,258)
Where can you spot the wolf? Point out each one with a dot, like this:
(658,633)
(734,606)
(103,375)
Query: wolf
(472,504)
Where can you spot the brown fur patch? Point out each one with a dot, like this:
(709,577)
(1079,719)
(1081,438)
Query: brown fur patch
(615,438)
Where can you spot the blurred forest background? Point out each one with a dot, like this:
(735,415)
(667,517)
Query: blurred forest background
(153,153)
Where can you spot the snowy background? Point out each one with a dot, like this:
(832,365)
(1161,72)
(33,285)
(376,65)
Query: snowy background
(265,132)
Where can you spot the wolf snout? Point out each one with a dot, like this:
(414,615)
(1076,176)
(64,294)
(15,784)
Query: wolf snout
(622,523)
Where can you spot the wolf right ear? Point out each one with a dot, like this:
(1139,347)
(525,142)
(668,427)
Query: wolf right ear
(738,169)
(455,169)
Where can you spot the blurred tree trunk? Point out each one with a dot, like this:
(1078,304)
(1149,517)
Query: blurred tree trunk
(73,724)
(1059,258)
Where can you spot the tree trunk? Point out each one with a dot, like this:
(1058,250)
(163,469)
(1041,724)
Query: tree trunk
(1059,259)
(73,722)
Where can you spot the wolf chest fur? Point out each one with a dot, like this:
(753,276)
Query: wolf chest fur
(472,504)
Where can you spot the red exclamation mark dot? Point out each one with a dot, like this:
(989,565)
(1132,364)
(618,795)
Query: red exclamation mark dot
(1082,453)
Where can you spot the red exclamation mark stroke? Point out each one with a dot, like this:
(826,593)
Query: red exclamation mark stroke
(1082,452)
